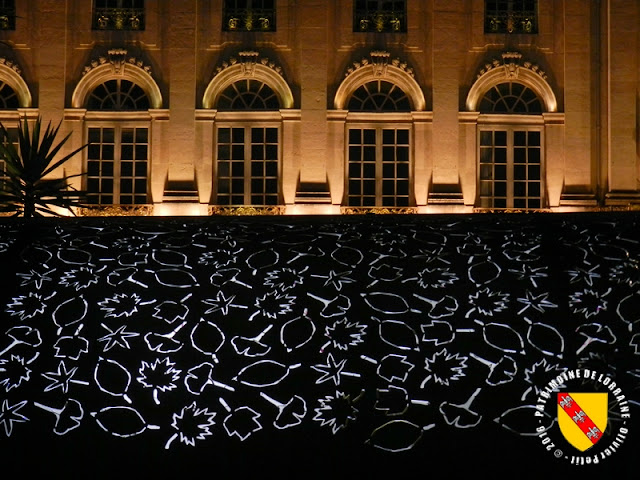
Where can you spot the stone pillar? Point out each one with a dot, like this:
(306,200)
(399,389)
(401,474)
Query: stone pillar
(622,138)
(313,47)
(448,57)
(180,134)
(579,168)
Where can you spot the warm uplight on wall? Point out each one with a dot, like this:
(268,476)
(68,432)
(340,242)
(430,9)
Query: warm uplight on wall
(180,210)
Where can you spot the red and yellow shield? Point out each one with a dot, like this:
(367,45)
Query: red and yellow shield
(582,417)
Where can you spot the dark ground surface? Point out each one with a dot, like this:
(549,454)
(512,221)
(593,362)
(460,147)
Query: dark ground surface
(311,347)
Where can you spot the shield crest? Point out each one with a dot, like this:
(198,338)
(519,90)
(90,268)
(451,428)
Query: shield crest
(582,417)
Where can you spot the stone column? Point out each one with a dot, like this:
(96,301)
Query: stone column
(448,57)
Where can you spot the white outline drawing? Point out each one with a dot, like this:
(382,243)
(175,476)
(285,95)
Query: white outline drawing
(253,416)
(193,412)
(530,273)
(27,306)
(308,251)
(106,415)
(164,343)
(174,280)
(69,312)
(269,259)
(122,304)
(200,337)
(22,334)
(227,275)
(81,278)
(171,311)
(68,418)
(347,253)
(539,334)
(62,378)
(588,302)
(445,307)
(504,371)
(336,279)
(487,302)
(595,332)
(299,330)
(483,273)
(391,362)
(280,373)
(384,273)
(635,343)
(539,373)
(251,346)
(149,379)
(221,304)
(272,304)
(343,334)
(169,262)
(83,257)
(15,372)
(437,277)
(290,414)
(340,404)
(117,337)
(628,310)
(36,277)
(118,276)
(337,306)
(132,259)
(441,332)
(509,346)
(198,377)
(9,415)
(112,370)
(397,334)
(332,370)
(71,347)
(537,302)
(444,367)
(461,415)
(284,279)
(400,429)
(389,399)
(524,413)
(394,304)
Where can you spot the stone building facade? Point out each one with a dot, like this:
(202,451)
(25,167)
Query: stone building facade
(334,106)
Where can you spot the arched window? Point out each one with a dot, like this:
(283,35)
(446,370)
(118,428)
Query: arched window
(379,96)
(248,94)
(118,156)
(118,94)
(378,154)
(510,173)
(248,152)
(510,97)
(8,97)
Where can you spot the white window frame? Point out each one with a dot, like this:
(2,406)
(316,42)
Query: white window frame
(511,123)
(247,120)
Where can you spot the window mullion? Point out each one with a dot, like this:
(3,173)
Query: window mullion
(117,155)
(247,165)
(379,166)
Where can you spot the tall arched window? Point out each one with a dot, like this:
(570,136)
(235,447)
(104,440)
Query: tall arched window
(248,97)
(118,155)
(248,154)
(510,173)
(14,94)
(378,152)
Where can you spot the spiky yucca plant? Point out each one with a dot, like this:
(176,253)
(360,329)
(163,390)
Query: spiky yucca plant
(25,190)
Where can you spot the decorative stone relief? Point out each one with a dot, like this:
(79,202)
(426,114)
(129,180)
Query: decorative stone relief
(379,62)
(117,58)
(511,65)
(248,59)
(11,64)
